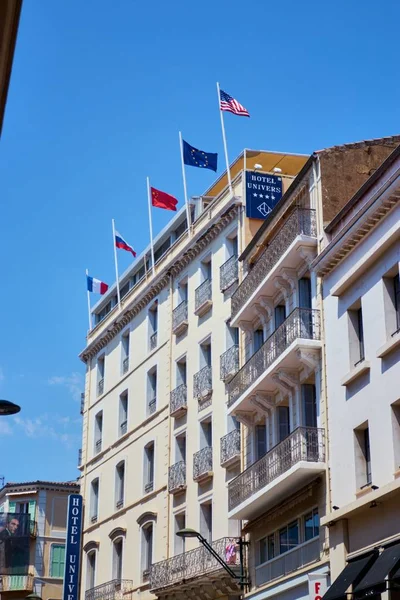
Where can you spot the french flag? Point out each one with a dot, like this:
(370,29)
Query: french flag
(122,244)
(96,286)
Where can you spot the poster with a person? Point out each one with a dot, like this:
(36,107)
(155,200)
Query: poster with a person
(15,530)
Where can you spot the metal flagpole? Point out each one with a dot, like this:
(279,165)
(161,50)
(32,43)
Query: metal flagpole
(116,264)
(88,302)
(224,139)
(185,187)
(150,222)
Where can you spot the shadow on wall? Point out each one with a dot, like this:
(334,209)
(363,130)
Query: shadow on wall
(359,384)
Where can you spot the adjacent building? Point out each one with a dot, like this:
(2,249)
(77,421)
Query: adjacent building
(46,504)
(10,11)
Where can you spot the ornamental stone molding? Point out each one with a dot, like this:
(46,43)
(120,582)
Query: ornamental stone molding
(287,381)
(268,305)
(264,402)
(282,286)
(310,361)
(245,417)
(261,313)
(308,255)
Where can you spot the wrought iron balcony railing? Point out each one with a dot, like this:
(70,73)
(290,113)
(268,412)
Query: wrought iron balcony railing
(33,528)
(203,297)
(82,403)
(98,446)
(228,273)
(125,365)
(203,463)
(178,400)
(287,563)
(119,504)
(229,363)
(116,589)
(302,323)
(194,563)
(300,222)
(100,387)
(230,447)
(202,384)
(180,318)
(151,406)
(303,444)
(153,341)
(177,477)
(11,583)
(123,428)
(149,486)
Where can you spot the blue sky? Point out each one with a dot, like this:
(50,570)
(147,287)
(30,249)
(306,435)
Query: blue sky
(98,93)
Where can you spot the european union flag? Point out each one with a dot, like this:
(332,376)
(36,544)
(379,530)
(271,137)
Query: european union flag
(198,158)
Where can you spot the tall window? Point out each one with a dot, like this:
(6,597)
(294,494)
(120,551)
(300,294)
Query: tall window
(180,448)
(308,397)
(181,371)
(57,560)
(356,334)
(117,559)
(260,441)
(123,413)
(396,296)
(206,521)
(362,456)
(119,484)
(94,500)
(98,432)
(125,352)
(266,549)
(101,363)
(152,391)
(205,433)
(180,523)
(91,570)
(153,325)
(283,422)
(311,525)
(304,292)
(147,550)
(258,339)
(289,537)
(206,269)
(149,467)
(279,314)
(367,456)
(182,291)
(205,354)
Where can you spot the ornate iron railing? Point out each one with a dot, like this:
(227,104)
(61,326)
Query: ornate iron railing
(301,221)
(301,323)
(98,446)
(178,398)
(202,382)
(115,589)
(228,273)
(82,403)
(119,504)
(202,462)
(229,363)
(177,476)
(149,486)
(303,444)
(179,315)
(153,341)
(203,293)
(230,446)
(151,406)
(10,583)
(33,528)
(194,563)
(125,365)
(288,562)
(123,428)
(100,387)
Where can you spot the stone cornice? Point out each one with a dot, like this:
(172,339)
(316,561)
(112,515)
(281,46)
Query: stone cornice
(154,288)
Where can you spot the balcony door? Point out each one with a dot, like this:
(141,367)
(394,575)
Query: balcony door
(283,422)
(305,306)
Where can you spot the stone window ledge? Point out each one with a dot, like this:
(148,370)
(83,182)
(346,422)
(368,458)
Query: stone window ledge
(356,372)
(392,343)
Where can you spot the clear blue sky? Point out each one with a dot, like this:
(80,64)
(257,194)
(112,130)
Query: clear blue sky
(99,91)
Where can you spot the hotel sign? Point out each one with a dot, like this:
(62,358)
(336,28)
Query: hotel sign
(263,191)
(73,547)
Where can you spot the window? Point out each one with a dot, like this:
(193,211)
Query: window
(304,292)
(205,433)
(261,441)
(283,422)
(152,391)
(94,500)
(205,354)
(356,334)
(100,375)
(149,467)
(308,398)
(123,413)
(391,290)
(258,339)
(181,371)
(117,559)
(125,352)
(266,549)
(124,290)
(280,315)
(311,525)
(206,269)
(22,507)
(147,550)
(396,433)
(232,336)
(98,432)
(153,325)
(119,484)
(104,312)
(362,456)
(180,448)
(180,229)
(91,570)
(162,249)
(206,521)
(288,537)
(57,560)
(182,291)
(180,523)
(396,294)
(367,456)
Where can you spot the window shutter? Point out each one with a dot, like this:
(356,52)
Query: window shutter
(12,507)
(57,561)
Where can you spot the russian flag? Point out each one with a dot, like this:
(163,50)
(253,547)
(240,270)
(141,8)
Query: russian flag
(122,244)
(96,286)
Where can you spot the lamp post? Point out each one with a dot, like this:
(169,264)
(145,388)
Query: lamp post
(192,533)
(8,408)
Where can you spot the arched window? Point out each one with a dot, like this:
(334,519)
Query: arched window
(147,549)
(119,484)
(118,550)
(91,569)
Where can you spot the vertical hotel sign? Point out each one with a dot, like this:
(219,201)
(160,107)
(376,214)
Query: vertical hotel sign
(263,192)
(73,547)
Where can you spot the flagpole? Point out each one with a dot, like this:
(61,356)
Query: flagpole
(116,264)
(224,139)
(150,222)
(88,302)
(185,187)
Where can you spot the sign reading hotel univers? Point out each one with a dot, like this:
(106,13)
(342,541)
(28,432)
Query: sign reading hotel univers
(73,547)
(263,191)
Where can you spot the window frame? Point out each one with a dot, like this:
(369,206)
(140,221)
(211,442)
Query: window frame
(61,565)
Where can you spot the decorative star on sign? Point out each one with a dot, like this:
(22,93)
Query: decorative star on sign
(266,197)
(272,197)
(255,195)
(261,196)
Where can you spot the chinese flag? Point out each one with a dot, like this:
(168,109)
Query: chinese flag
(163,200)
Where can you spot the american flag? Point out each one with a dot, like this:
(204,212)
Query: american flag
(229,104)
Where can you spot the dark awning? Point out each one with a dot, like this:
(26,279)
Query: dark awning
(388,560)
(351,575)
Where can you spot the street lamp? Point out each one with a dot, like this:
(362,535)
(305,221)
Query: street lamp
(8,408)
(33,597)
(192,533)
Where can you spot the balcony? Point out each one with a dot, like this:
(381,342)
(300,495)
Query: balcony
(177,478)
(116,589)
(198,567)
(153,341)
(203,298)
(151,406)
(298,232)
(202,387)
(180,318)
(178,401)
(203,464)
(300,331)
(82,403)
(125,365)
(229,363)
(228,273)
(289,465)
(289,562)
(15,583)
(100,387)
(230,448)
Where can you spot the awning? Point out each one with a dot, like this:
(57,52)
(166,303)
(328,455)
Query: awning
(351,575)
(375,578)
